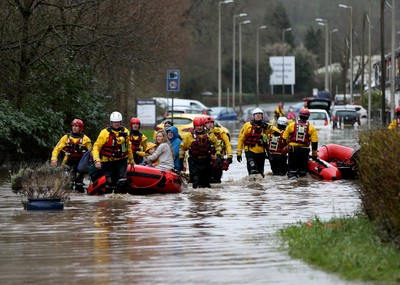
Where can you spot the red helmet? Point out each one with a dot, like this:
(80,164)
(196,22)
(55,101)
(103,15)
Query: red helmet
(133,121)
(397,110)
(304,113)
(198,121)
(209,119)
(77,122)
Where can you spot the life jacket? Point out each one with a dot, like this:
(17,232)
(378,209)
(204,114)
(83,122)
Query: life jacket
(218,135)
(136,140)
(112,149)
(75,150)
(300,134)
(201,146)
(275,143)
(254,137)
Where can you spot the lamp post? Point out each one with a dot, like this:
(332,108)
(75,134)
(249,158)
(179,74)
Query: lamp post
(283,60)
(258,63)
(369,72)
(240,63)
(351,48)
(324,22)
(234,58)
(393,62)
(219,48)
(330,58)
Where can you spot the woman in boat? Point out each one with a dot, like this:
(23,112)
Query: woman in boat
(164,153)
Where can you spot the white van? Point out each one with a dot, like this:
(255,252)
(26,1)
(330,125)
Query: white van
(166,103)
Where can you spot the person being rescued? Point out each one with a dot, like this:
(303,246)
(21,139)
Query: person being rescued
(298,137)
(73,145)
(175,140)
(251,139)
(278,158)
(138,140)
(111,153)
(394,125)
(201,146)
(150,149)
(226,149)
(164,153)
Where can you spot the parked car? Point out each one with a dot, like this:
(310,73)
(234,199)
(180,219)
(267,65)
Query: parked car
(319,103)
(223,113)
(185,110)
(361,111)
(184,123)
(345,116)
(320,119)
(248,114)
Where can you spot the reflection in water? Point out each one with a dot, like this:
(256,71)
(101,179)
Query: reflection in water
(222,235)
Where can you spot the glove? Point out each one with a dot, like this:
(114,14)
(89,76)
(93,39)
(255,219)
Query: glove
(219,160)
(230,160)
(181,164)
(239,158)
(123,134)
(263,124)
(286,149)
(314,154)
(131,161)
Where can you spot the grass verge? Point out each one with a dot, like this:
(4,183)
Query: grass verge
(347,246)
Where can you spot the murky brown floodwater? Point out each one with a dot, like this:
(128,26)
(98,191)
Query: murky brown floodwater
(223,235)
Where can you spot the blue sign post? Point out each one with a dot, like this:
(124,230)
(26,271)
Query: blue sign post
(173,80)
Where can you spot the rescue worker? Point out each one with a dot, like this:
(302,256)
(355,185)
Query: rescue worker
(299,136)
(226,149)
(111,151)
(138,140)
(74,145)
(394,125)
(252,138)
(201,145)
(278,158)
(279,112)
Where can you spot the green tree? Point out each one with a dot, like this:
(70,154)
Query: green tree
(314,42)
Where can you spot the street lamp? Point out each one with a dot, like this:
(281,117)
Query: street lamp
(219,48)
(351,49)
(240,63)
(330,58)
(234,59)
(283,60)
(393,63)
(258,63)
(369,72)
(324,22)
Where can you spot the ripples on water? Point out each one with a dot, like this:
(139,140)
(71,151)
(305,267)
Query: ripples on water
(223,235)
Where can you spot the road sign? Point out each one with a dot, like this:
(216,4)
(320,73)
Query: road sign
(173,80)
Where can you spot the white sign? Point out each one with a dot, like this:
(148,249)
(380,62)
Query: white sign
(288,72)
(146,112)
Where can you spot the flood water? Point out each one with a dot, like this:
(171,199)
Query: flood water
(223,235)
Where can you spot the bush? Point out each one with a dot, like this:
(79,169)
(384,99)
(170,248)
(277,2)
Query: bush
(41,182)
(379,168)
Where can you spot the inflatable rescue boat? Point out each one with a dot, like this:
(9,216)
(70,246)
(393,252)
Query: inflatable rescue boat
(334,162)
(142,180)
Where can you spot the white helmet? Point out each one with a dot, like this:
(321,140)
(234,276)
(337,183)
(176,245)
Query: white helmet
(258,110)
(282,121)
(115,117)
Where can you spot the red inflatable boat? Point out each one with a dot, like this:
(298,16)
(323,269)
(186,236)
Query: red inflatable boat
(142,180)
(341,157)
(323,170)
